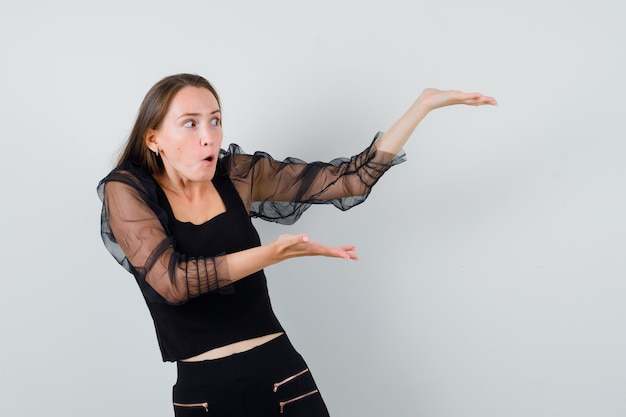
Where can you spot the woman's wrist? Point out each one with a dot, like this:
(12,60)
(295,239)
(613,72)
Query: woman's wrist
(421,107)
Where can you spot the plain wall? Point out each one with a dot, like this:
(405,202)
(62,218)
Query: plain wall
(491,280)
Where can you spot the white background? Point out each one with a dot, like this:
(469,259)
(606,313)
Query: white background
(492,273)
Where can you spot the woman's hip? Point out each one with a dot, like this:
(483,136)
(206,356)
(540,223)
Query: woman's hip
(269,380)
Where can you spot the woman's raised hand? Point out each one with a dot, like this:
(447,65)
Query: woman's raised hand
(292,246)
(432,98)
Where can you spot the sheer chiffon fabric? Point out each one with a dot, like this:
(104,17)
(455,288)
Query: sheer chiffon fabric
(134,226)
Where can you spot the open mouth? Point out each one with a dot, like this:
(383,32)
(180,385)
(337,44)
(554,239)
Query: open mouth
(209,158)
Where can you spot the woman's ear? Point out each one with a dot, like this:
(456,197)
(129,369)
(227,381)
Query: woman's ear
(150,138)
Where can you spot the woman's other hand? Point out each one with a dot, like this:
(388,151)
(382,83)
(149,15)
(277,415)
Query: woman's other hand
(292,246)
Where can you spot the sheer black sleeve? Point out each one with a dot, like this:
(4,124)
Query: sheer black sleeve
(132,228)
(282,191)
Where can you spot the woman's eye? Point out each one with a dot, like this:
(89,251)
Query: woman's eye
(189,123)
(215,122)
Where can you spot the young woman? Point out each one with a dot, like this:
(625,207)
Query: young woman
(177,214)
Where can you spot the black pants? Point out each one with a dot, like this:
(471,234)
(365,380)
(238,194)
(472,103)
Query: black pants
(269,380)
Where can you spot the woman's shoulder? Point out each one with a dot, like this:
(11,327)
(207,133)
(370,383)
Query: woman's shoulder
(133,175)
(128,172)
(232,160)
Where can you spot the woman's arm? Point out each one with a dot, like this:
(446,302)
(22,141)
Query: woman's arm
(244,263)
(164,275)
(281,191)
(399,133)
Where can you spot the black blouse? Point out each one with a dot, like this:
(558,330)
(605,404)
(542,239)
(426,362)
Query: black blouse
(181,268)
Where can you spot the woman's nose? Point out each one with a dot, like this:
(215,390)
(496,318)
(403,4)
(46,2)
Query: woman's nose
(207,138)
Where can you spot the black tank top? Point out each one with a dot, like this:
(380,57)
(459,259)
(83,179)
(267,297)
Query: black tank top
(239,311)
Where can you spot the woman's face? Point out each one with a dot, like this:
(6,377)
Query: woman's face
(190,135)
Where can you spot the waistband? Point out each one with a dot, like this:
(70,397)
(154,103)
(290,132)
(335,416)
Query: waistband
(253,362)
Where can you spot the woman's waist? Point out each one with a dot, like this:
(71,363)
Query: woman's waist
(274,356)
(233,348)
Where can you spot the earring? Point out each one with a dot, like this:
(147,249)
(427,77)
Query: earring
(156,152)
